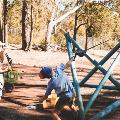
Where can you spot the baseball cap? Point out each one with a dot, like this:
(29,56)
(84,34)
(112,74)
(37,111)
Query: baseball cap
(46,72)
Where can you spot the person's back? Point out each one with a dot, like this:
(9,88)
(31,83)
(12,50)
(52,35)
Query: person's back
(61,83)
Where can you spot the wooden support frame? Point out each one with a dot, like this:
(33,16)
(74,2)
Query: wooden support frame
(75,80)
(106,73)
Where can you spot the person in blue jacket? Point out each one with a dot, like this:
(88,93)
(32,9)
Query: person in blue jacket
(62,86)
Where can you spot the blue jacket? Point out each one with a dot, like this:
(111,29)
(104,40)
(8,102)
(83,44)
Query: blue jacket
(60,83)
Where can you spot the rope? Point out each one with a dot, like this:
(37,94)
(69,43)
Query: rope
(97,44)
(79,52)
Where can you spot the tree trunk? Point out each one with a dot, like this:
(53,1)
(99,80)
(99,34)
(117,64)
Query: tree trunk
(24,12)
(75,29)
(50,27)
(5,37)
(86,40)
(31,28)
(46,43)
(1,31)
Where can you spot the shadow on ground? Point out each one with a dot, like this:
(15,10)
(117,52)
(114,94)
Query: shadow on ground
(28,88)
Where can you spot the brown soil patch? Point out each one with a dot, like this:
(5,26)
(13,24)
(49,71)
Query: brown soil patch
(29,88)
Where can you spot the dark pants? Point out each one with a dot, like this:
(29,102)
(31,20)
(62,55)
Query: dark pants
(62,102)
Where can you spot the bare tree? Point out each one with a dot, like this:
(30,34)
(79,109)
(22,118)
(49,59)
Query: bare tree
(31,26)
(24,14)
(27,24)
(5,37)
(1,32)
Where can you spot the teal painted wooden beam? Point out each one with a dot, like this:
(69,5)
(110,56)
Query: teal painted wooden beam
(106,111)
(105,78)
(75,81)
(114,49)
(97,65)
(104,87)
(111,78)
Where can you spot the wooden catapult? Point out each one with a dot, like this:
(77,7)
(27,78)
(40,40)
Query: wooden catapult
(82,83)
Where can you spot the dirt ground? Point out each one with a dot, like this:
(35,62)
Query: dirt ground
(29,87)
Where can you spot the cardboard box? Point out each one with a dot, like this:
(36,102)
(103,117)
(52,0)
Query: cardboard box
(50,102)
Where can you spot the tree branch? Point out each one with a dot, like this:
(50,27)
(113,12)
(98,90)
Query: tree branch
(66,15)
(80,25)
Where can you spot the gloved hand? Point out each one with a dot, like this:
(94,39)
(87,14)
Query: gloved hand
(80,53)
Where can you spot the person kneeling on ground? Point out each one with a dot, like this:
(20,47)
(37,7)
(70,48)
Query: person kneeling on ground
(62,86)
